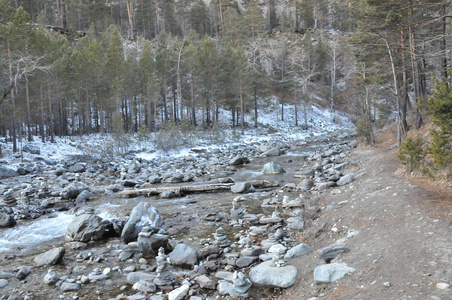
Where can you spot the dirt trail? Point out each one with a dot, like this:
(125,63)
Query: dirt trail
(403,245)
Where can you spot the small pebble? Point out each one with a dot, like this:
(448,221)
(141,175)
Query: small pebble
(387,284)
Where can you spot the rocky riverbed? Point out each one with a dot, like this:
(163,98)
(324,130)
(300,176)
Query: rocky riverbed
(216,222)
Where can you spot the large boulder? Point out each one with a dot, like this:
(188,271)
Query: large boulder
(73,190)
(272,169)
(331,272)
(6,221)
(269,275)
(143,212)
(184,256)
(87,227)
(6,172)
(51,257)
(77,168)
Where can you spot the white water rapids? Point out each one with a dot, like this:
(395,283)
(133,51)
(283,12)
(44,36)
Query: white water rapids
(34,233)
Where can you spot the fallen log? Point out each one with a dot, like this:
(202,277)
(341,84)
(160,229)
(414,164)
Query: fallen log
(179,190)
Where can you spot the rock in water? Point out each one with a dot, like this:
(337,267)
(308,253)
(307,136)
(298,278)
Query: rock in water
(6,221)
(183,255)
(51,277)
(141,213)
(272,169)
(269,275)
(86,227)
(51,257)
(331,272)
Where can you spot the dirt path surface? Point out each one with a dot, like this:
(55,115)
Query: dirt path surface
(399,235)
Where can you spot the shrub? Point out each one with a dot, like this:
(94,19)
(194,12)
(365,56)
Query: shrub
(439,108)
(412,153)
(169,138)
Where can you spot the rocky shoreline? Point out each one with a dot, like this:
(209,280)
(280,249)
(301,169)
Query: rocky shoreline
(247,230)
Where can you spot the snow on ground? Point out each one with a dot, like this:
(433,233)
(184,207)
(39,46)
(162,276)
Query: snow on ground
(319,122)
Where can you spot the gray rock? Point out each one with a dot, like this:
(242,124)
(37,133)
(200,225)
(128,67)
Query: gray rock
(306,184)
(129,183)
(77,168)
(295,223)
(6,172)
(272,169)
(271,152)
(73,190)
(144,286)
(242,188)
(6,221)
(224,275)
(134,277)
(205,282)
(23,272)
(321,186)
(6,275)
(298,250)
(245,261)
(3,283)
(238,160)
(141,213)
(331,272)
(150,245)
(179,293)
(51,257)
(346,179)
(87,227)
(84,196)
(184,256)
(269,275)
(69,286)
(341,166)
(330,252)
(305,173)
(51,278)
(254,251)
(32,149)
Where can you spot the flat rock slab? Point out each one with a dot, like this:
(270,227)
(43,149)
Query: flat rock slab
(299,250)
(269,275)
(330,252)
(51,257)
(331,272)
(184,256)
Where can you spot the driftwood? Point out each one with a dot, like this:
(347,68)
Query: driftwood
(179,190)
(188,189)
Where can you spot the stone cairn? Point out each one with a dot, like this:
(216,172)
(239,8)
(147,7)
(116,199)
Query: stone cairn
(278,261)
(9,199)
(221,239)
(164,276)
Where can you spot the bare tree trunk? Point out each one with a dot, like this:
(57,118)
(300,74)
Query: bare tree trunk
(41,121)
(27,96)
(255,108)
(242,108)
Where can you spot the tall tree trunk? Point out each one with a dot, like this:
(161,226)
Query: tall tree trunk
(27,96)
(443,46)
(242,108)
(41,121)
(405,97)
(51,114)
(255,108)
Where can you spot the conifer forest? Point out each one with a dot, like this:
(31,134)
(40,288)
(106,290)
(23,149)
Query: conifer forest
(74,67)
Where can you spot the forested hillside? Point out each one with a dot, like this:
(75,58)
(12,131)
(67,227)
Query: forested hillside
(72,67)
